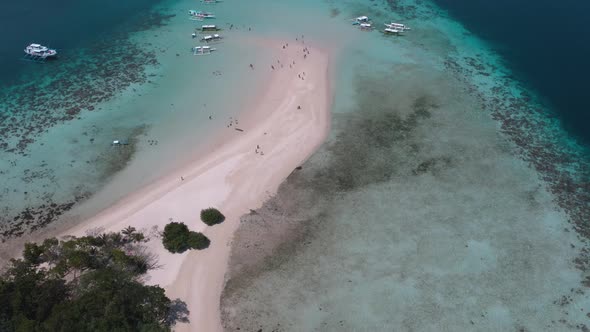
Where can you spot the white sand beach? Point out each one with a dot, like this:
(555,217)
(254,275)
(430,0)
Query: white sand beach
(286,124)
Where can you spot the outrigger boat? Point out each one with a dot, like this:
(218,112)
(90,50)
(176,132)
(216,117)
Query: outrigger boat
(39,51)
(199,15)
(211,38)
(366,26)
(203,50)
(209,27)
(360,20)
(391,31)
(397,26)
(211,2)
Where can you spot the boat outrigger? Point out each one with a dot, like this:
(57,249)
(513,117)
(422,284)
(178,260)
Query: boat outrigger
(209,27)
(211,38)
(203,50)
(200,15)
(39,52)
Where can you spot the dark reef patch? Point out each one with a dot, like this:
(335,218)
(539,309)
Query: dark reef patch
(34,218)
(432,165)
(115,158)
(371,145)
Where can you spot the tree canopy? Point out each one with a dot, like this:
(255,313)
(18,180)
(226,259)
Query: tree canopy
(177,238)
(90,283)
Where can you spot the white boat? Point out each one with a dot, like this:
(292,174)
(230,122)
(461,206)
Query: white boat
(199,15)
(397,26)
(211,2)
(203,50)
(209,27)
(40,51)
(211,38)
(366,26)
(391,31)
(120,142)
(360,20)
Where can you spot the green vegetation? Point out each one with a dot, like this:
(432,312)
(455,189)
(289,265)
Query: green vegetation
(177,238)
(212,216)
(91,283)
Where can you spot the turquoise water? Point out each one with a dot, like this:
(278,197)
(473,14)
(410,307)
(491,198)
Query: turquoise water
(446,198)
(139,83)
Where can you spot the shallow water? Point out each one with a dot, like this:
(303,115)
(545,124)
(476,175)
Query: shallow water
(446,198)
(139,83)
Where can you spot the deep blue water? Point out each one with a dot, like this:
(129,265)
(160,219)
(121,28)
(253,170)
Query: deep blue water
(63,24)
(546,43)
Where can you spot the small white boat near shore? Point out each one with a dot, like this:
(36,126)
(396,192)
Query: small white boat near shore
(209,27)
(366,26)
(360,20)
(397,26)
(39,51)
(203,50)
(211,38)
(391,31)
(200,15)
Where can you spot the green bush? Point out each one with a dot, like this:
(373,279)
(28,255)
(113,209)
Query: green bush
(212,216)
(177,238)
(198,241)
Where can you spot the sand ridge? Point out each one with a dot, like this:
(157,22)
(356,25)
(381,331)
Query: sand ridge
(286,124)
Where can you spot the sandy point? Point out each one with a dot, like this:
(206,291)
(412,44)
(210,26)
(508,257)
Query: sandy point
(288,121)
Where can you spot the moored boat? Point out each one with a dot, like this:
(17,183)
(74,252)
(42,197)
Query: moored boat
(366,26)
(203,50)
(397,26)
(40,51)
(209,27)
(360,20)
(200,14)
(211,38)
(391,31)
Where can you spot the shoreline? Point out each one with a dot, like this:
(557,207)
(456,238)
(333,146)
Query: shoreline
(233,177)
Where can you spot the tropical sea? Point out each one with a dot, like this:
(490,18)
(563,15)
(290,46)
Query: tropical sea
(125,73)
(453,192)
(543,44)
